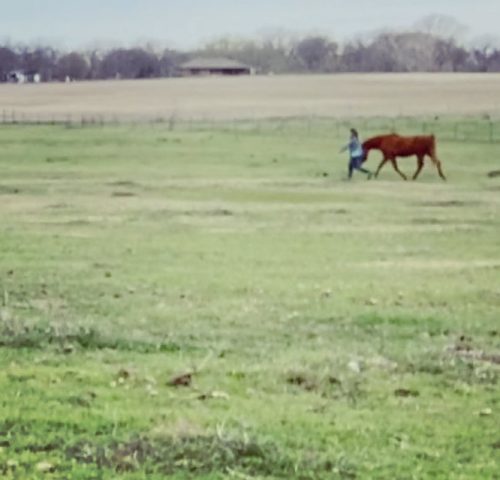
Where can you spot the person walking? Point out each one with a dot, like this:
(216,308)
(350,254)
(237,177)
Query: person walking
(356,154)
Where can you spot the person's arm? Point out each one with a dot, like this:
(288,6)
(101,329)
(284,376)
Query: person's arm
(347,147)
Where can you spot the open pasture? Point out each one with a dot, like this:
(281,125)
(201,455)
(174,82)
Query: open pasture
(221,304)
(342,95)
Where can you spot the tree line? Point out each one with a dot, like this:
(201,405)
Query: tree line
(386,52)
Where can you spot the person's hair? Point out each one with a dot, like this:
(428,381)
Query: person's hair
(354,132)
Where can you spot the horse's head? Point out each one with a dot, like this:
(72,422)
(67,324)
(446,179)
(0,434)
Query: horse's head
(365,155)
(370,144)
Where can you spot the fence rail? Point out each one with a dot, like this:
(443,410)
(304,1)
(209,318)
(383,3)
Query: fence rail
(469,129)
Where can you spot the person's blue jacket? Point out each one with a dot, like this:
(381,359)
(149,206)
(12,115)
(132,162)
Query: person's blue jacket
(355,148)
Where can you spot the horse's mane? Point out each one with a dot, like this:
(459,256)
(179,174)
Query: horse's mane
(374,142)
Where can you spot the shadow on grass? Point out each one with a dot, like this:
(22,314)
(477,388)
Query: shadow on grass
(208,453)
(39,336)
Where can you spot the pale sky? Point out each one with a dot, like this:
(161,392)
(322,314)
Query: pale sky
(189,23)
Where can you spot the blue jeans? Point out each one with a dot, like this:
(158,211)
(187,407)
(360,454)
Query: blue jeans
(355,164)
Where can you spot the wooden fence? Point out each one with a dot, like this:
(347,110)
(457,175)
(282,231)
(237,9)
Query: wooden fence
(465,129)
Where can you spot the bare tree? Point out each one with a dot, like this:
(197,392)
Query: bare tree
(443,26)
(129,63)
(73,65)
(170,61)
(449,57)
(316,54)
(265,56)
(494,62)
(41,60)
(379,55)
(9,61)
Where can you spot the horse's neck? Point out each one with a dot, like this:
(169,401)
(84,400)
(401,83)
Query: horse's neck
(372,143)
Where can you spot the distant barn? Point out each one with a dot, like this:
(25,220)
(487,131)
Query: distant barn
(214,66)
(20,76)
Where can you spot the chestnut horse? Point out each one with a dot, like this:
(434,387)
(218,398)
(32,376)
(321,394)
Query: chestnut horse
(393,146)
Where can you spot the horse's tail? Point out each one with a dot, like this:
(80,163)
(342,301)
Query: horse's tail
(432,145)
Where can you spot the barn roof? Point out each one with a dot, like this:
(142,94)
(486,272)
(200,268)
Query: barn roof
(213,63)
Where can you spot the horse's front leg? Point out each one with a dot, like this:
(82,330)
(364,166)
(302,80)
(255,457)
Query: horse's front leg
(382,163)
(395,165)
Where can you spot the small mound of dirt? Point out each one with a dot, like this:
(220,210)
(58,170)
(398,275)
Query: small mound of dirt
(302,381)
(406,392)
(8,190)
(123,183)
(123,194)
(183,380)
(57,159)
(445,203)
(427,221)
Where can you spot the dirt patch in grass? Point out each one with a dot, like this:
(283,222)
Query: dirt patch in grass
(465,350)
(429,221)
(9,190)
(446,203)
(406,392)
(303,381)
(327,385)
(58,206)
(123,194)
(123,183)
(214,212)
(470,223)
(57,159)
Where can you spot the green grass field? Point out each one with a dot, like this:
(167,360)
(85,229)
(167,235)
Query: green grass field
(331,329)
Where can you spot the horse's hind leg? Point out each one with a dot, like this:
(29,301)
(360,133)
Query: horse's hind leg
(440,170)
(420,164)
(395,165)
(437,162)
